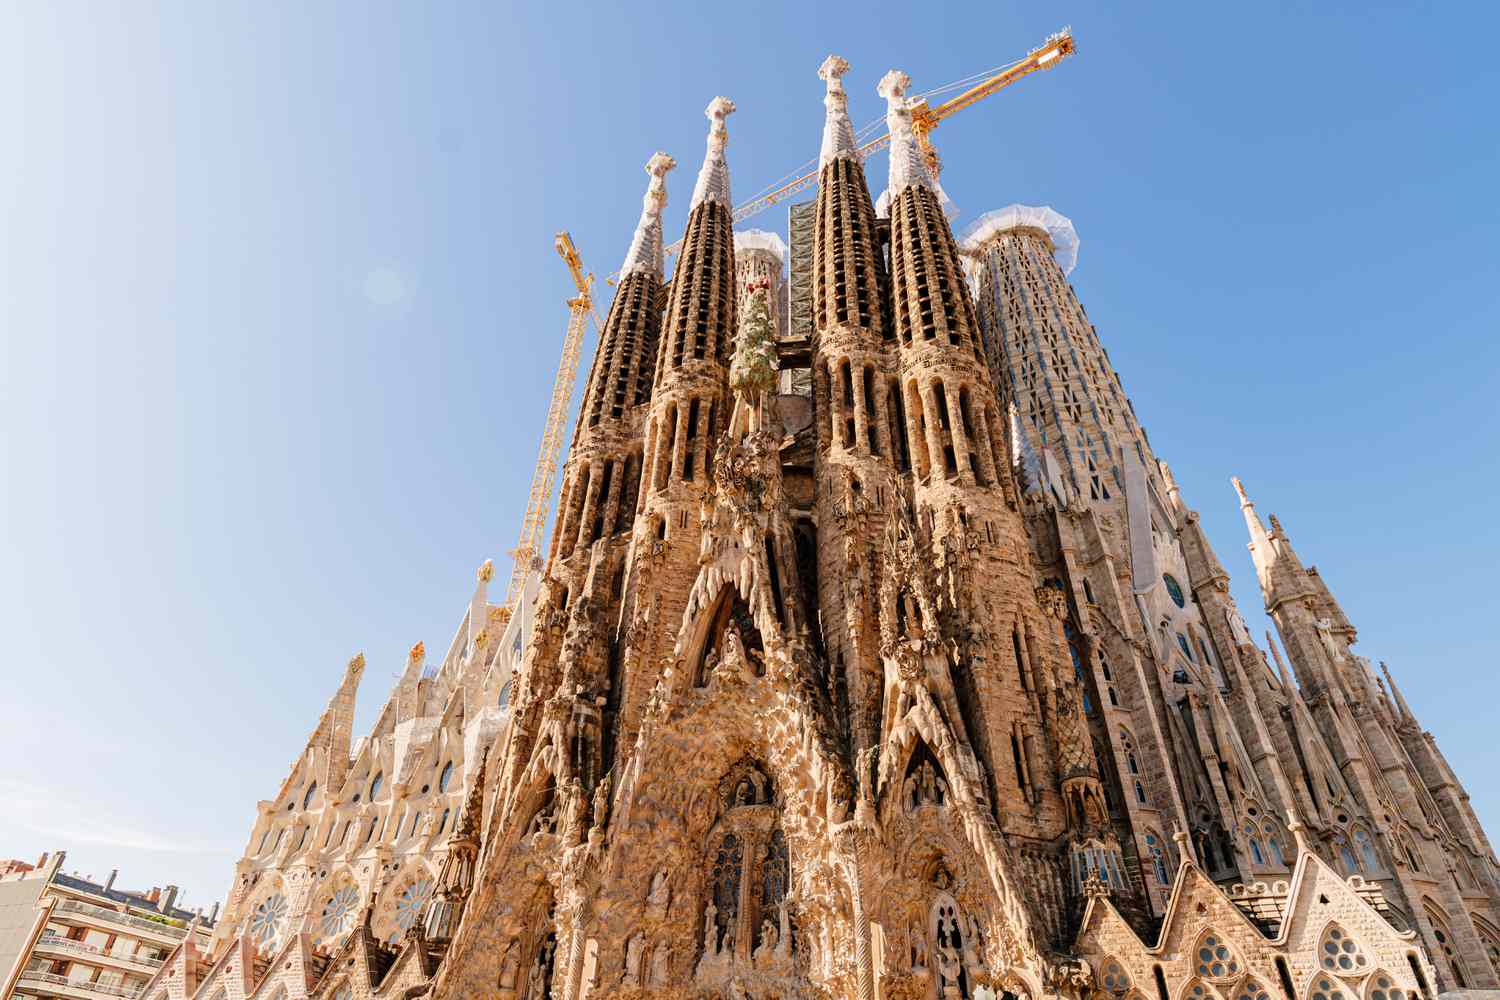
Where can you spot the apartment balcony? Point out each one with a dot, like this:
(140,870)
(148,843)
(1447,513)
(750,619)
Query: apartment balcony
(47,984)
(51,944)
(86,914)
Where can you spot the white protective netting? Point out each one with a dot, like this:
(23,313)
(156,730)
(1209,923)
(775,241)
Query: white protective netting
(759,239)
(1057,226)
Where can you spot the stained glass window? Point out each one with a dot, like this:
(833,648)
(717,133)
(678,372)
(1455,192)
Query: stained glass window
(1174,590)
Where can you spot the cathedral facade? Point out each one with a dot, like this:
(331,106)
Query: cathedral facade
(884,662)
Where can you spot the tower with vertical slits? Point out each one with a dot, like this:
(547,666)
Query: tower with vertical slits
(924,684)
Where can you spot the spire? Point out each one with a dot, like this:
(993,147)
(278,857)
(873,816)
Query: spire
(713,178)
(1281,671)
(907,166)
(479,616)
(1260,543)
(838,131)
(407,706)
(1401,704)
(645,252)
(335,728)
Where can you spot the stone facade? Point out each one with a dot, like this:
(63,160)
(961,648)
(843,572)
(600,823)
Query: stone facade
(924,685)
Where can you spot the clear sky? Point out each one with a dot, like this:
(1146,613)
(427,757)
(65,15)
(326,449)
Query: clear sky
(280,316)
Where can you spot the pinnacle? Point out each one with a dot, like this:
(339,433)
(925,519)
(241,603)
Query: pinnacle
(659,164)
(893,85)
(833,67)
(1239,488)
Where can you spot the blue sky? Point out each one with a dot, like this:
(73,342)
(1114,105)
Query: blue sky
(280,314)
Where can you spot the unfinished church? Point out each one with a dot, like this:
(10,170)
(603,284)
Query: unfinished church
(875,656)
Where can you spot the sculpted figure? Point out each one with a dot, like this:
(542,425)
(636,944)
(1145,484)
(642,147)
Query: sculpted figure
(769,937)
(661,958)
(661,892)
(710,917)
(633,961)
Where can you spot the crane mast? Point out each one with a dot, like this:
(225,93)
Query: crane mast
(527,553)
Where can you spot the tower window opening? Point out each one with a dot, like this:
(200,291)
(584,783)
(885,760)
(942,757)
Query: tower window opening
(872,423)
(691,439)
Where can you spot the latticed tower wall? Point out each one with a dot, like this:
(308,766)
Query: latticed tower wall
(858,416)
(1011,675)
(688,412)
(1149,712)
(1047,357)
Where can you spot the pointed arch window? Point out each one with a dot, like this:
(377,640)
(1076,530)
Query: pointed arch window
(445,777)
(1213,959)
(1326,987)
(375,784)
(1383,986)
(312,790)
(1251,988)
(1340,953)
(1115,979)
(1366,847)
(1156,850)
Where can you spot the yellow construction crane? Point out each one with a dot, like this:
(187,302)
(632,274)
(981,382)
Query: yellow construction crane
(527,553)
(926,118)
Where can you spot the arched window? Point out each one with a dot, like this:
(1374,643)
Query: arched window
(1345,856)
(443,823)
(1273,841)
(505,695)
(1256,854)
(446,776)
(1115,979)
(1174,589)
(375,784)
(312,790)
(1338,952)
(1251,988)
(1366,847)
(1212,959)
(1444,938)
(1326,987)
(1157,851)
(1410,852)
(1383,987)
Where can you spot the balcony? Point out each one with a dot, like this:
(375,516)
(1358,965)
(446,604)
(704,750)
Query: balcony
(61,986)
(53,944)
(84,913)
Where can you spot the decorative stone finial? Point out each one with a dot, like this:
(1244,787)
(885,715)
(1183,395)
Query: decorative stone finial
(645,252)
(908,168)
(356,663)
(418,652)
(1294,824)
(1239,488)
(838,131)
(713,178)
(486,571)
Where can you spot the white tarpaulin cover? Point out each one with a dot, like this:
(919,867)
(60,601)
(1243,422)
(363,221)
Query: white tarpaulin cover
(1058,227)
(759,239)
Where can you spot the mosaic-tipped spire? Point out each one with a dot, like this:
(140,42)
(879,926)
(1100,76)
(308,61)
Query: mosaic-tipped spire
(838,131)
(713,178)
(907,165)
(645,252)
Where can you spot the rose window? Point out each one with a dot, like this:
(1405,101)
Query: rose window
(1197,990)
(267,920)
(338,912)
(1386,989)
(1214,959)
(1340,954)
(409,905)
